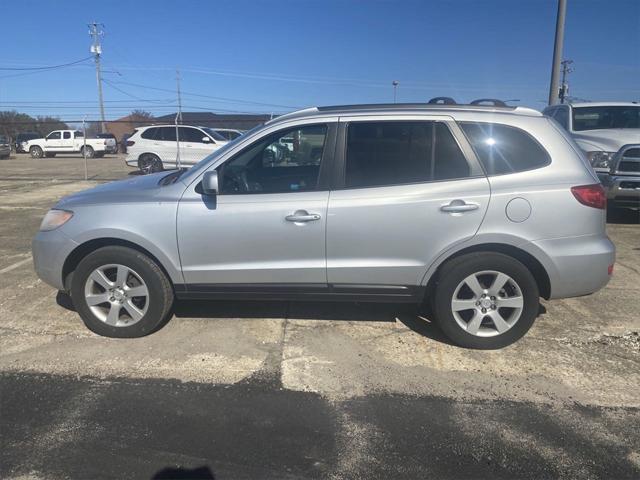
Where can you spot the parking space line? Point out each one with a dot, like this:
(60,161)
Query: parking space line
(16,265)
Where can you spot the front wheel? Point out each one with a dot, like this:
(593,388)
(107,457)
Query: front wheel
(485,300)
(36,152)
(120,292)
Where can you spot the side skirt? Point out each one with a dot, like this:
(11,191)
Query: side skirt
(302,292)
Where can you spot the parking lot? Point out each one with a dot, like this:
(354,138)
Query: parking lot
(290,390)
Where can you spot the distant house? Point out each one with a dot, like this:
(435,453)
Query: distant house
(125,125)
(214,120)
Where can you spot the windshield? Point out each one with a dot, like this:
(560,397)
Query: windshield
(596,118)
(213,134)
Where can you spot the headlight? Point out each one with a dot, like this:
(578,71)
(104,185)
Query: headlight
(54,219)
(600,160)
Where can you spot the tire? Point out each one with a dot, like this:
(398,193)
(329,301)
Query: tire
(122,314)
(514,308)
(149,163)
(36,152)
(90,151)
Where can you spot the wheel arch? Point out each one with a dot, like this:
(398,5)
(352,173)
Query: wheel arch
(535,266)
(84,249)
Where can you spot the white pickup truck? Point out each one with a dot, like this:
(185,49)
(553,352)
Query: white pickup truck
(609,134)
(68,141)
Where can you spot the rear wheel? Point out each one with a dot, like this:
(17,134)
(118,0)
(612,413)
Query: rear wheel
(149,163)
(485,300)
(36,152)
(90,152)
(120,292)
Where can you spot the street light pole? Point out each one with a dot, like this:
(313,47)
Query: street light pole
(554,87)
(395,84)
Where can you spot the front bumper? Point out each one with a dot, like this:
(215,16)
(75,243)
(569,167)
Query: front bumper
(622,190)
(50,250)
(578,265)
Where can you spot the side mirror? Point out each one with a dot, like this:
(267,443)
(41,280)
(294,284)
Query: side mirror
(210,183)
(206,140)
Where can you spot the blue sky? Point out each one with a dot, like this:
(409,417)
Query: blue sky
(276,56)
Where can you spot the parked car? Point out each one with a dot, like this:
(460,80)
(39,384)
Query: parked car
(228,133)
(5,147)
(22,138)
(66,141)
(112,142)
(476,210)
(609,134)
(155,148)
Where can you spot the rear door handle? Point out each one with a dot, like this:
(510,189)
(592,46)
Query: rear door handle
(459,206)
(302,216)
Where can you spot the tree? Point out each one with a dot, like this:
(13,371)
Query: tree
(140,118)
(12,123)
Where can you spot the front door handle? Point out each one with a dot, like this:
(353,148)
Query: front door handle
(302,216)
(459,206)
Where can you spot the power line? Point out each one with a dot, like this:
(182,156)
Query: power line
(191,94)
(48,67)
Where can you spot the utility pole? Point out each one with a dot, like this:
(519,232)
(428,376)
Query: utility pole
(554,88)
(566,69)
(95,31)
(395,84)
(178,120)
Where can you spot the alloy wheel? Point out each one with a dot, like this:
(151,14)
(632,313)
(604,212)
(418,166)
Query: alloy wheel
(487,303)
(116,295)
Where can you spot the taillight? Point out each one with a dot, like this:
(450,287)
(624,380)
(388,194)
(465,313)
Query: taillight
(591,195)
(130,143)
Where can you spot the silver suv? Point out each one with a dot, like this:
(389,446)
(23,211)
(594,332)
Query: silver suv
(477,211)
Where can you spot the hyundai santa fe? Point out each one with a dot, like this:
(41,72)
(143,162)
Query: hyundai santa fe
(475,211)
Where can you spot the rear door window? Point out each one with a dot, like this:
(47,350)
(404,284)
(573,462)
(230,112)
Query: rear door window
(167,134)
(150,134)
(504,149)
(396,153)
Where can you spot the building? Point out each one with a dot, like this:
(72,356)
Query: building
(125,125)
(214,120)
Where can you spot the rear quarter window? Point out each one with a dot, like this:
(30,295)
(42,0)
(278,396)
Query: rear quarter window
(504,149)
(149,134)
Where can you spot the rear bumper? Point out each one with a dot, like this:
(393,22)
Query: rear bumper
(622,190)
(578,265)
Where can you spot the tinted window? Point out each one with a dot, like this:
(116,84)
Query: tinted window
(503,149)
(192,135)
(595,118)
(167,134)
(78,133)
(66,134)
(392,153)
(54,136)
(150,133)
(287,161)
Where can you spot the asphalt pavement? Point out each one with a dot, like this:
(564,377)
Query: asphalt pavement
(305,390)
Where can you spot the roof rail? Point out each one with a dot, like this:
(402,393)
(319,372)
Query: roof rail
(442,101)
(491,101)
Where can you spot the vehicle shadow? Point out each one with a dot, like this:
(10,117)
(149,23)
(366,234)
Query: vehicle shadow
(413,317)
(198,473)
(623,216)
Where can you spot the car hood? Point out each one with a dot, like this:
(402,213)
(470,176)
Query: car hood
(142,188)
(608,140)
